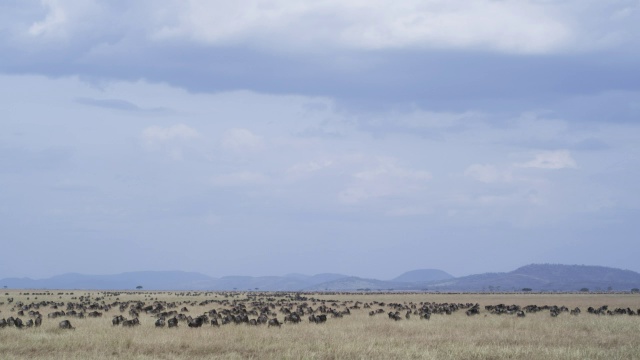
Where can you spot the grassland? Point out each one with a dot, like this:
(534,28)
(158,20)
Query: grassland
(356,336)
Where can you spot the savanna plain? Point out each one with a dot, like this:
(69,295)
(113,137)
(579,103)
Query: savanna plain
(357,326)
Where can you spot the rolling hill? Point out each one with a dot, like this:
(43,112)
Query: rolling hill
(538,277)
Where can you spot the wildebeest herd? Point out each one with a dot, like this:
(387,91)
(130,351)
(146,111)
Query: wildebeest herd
(253,309)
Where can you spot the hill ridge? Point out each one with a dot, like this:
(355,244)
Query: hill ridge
(538,277)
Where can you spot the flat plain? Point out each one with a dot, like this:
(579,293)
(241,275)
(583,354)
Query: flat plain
(358,326)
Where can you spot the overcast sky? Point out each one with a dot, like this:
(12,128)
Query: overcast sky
(360,137)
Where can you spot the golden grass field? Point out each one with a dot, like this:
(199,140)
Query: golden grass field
(356,336)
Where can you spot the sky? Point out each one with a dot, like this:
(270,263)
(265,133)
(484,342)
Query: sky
(366,138)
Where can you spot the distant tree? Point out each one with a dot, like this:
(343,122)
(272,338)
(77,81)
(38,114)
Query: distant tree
(584,290)
(635,290)
(257,289)
(5,286)
(526,289)
(139,287)
(610,289)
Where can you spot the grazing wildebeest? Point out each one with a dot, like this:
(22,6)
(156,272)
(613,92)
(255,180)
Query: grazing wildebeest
(294,318)
(173,322)
(520,313)
(38,321)
(65,324)
(274,322)
(160,322)
(575,311)
(3,323)
(18,323)
(117,320)
(131,323)
(197,322)
(214,322)
(321,318)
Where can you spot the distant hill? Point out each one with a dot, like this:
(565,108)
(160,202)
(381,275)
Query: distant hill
(423,275)
(538,277)
(545,277)
(166,280)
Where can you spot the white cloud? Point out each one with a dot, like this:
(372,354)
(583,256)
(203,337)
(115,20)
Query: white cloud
(387,178)
(170,140)
(515,26)
(241,140)
(307,168)
(239,179)
(388,168)
(157,134)
(488,173)
(560,159)
(533,27)
(54,21)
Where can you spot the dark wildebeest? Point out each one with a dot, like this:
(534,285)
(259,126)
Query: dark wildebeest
(173,322)
(293,317)
(160,322)
(197,322)
(18,323)
(214,322)
(274,322)
(65,324)
(131,323)
(117,320)
(3,323)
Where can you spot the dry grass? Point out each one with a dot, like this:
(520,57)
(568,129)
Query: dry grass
(358,336)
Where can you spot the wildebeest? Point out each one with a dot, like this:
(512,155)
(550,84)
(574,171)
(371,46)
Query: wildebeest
(131,323)
(274,322)
(95,314)
(65,324)
(197,322)
(117,320)
(3,323)
(38,321)
(160,322)
(173,322)
(294,318)
(575,311)
(395,316)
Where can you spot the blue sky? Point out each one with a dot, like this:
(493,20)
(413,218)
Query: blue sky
(360,137)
